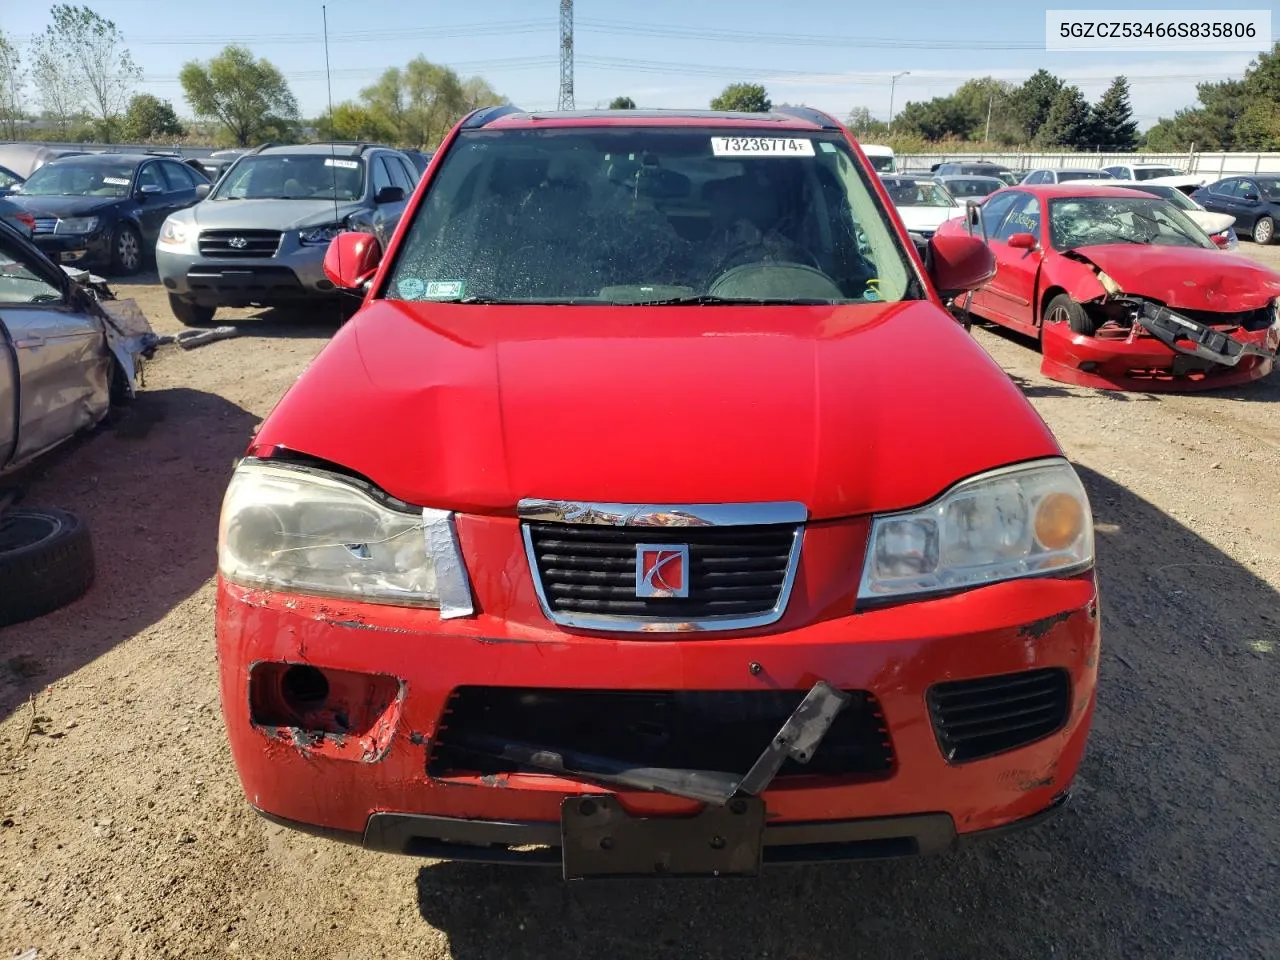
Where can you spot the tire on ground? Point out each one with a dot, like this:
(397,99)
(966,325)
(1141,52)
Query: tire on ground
(1264,231)
(118,265)
(1076,316)
(190,314)
(46,561)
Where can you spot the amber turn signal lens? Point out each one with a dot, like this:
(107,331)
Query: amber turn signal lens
(1059,521)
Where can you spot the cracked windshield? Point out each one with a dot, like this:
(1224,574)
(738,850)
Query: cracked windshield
(646,216)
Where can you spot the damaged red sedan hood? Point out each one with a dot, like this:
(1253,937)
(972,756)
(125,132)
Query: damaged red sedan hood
(847,409)
(1186,277)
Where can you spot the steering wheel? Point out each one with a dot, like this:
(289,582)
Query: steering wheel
(759,251)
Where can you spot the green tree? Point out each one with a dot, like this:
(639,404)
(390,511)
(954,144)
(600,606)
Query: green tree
(423,100)
(249,97)
(1031,102)
(1210,126)
(622,103)
(743,98)
(149,118)
(863,125)
(1067,124)
(938,119)
(1111,123)
(1259,125)
(83,56)
(355,121)
(12,83)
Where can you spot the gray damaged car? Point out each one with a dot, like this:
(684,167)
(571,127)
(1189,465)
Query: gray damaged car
(259,236)
(68,351)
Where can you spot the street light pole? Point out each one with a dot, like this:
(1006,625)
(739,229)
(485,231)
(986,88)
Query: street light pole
(893,82)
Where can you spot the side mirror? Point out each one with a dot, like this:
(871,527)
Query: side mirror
(147,190)
(1250,197)
(1023,241)
(389,195)
(202,190)
(352,258)
(957,263)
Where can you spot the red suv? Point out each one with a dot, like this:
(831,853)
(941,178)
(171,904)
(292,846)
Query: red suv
(614,532)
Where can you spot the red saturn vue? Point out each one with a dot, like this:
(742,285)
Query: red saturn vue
(654,517)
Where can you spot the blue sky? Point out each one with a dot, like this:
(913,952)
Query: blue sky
(662,53)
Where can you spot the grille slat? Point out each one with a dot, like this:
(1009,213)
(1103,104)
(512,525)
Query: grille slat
(733,571)
(227,243)
(974,719)
(722,730)
(45,225)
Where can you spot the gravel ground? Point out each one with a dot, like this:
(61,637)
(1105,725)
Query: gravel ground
(123,832)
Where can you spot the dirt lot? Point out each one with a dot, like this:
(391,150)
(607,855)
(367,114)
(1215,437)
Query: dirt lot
(123,832)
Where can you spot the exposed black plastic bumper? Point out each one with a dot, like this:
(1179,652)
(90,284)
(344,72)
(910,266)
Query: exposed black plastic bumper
(538,843)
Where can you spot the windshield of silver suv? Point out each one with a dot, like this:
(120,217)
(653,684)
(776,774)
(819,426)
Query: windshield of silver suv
(297,177)
(650,215)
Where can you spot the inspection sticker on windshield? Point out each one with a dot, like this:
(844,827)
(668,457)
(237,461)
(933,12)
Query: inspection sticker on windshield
(345,164)
(446,289)
(761,147)
(116,181)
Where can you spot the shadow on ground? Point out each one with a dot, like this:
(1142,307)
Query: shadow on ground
(1170,850)
(152,508)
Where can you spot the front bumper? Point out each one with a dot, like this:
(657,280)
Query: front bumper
(76,249)
(1124,360)
(294,274)
(378,787)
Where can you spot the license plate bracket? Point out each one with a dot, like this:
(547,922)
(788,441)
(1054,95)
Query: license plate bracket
(602,840)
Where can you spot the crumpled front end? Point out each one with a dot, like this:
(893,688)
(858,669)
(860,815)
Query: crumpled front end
(1147,344)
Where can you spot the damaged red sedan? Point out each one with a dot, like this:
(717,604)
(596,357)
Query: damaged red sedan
(1123,290)
(613,534)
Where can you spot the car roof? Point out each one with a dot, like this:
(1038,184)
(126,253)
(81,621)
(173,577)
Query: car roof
(103,158)
(1079,188)
(328,149)
(510,118)
(1069,169)
(966,176)
(1139,166)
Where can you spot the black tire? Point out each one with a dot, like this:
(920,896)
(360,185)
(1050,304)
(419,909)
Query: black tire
(191,314)
(126,251)
(46,561)
(1063,308)
(1264,231)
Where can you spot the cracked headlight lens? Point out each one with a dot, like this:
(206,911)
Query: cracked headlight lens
(306,531)
(1022,521)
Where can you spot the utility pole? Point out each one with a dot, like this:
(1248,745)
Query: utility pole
(893,82)
(986,138)
(566,55)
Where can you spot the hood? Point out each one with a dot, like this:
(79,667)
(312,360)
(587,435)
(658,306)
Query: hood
(1181,181)
(269,214)
(847,409)
(928,218)
(1209,222)
(63,207)
(1187,277)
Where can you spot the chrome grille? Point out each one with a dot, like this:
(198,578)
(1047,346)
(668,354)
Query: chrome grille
(739,574)
(230,244)
(45,225)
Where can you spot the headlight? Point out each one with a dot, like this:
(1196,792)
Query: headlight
(310,532)
(1014,522)
(314,236)
(77,225)
(173,233)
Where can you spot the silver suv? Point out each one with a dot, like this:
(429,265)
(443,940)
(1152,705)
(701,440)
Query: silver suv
(259,236)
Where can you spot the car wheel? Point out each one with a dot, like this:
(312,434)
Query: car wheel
(1062,309)
(46,561)
(126,251)
(191,314)
(1264,231)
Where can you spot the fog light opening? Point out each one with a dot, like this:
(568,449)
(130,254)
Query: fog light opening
(1089,366)
(304,688)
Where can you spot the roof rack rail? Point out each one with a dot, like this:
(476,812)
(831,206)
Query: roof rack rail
(263,146)
(486,115)
(809,113)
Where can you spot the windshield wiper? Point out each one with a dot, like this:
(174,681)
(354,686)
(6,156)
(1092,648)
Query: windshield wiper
(707,299)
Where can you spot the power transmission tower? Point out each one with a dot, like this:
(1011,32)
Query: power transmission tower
(566,54)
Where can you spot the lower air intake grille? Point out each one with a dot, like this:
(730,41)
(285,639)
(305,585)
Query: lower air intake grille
(980,718)
(721,730)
